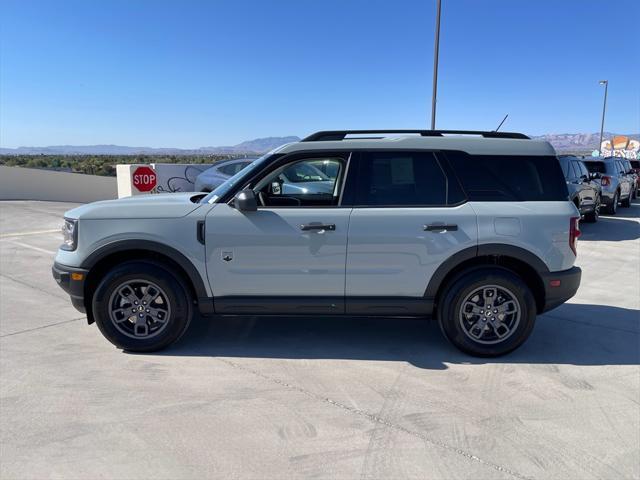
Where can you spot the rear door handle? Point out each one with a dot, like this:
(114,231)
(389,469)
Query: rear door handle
(318,226)
(441,227)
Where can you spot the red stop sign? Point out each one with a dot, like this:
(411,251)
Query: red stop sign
(144,179)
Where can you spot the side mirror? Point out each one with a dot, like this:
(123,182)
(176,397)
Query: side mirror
(246,201)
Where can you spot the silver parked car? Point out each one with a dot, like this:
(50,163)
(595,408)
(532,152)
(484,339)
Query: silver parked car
(615,182)
(215,176)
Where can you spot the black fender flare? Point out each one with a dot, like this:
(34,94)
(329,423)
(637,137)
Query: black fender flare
(488,249)
(151,246)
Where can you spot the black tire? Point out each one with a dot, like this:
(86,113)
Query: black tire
(450,313)
(179,304)
(627,202)
(613,208)
(592,217)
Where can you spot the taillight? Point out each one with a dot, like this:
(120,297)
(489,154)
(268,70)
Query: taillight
(574,233)
(605,181)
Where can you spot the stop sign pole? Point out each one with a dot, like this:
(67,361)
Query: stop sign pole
(144,179)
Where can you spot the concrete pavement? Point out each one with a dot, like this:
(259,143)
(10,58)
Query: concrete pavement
(327,398)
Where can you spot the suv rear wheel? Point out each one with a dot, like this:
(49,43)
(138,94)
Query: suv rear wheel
(592,217)
(141,306)
(487,312)
(626,203)
(613,208)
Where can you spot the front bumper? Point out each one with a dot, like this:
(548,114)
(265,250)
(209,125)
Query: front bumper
(71,280)
(560,287)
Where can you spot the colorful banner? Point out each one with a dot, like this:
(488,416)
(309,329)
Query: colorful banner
(621,146)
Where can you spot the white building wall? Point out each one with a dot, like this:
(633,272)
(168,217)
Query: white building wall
(18,183)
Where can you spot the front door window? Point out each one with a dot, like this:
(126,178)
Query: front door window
(303,183)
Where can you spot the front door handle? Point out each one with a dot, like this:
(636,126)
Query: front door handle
(318,226)
(441,227)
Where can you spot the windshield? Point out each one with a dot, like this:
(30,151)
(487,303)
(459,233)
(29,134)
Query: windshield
(223,188)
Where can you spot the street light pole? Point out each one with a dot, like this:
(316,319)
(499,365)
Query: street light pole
(604,108)
(435,68)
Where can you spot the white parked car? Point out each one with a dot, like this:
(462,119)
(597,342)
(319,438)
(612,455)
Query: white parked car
(475,230)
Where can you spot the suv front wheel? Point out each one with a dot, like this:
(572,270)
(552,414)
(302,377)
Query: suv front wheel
(142,306)
(487,312)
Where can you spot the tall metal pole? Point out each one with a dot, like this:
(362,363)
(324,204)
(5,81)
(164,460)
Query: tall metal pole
(604,109)
(435,69)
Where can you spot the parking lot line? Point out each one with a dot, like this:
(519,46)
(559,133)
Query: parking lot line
(24,234)
(37,249)
(41,327)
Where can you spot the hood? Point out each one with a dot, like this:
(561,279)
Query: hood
(165,205)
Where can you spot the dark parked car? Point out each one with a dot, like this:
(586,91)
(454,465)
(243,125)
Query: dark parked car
(615,183)
(584,189)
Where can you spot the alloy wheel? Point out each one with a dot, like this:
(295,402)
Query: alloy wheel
(490,314)
(139,309)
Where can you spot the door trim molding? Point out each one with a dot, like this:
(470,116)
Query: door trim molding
(300,305)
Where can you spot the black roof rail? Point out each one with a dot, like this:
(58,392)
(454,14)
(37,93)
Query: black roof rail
(330,135)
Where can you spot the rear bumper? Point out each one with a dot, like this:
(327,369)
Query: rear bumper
(607,198)
(70,283)
(569,281)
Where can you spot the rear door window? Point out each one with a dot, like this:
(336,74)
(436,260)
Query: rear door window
(583,170)
(499,178)
(404,179)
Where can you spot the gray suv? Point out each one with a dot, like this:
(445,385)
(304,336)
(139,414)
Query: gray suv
(474,229)
(584,189)
(616,184)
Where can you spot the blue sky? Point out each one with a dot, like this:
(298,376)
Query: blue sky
(199,73)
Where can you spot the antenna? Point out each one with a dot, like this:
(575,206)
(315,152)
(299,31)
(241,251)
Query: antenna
(498,128)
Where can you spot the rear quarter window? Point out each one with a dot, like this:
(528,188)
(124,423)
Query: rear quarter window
(504,178)
(596,167)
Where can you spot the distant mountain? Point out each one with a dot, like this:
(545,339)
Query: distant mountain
(258,145)
(562,142)
(575,142)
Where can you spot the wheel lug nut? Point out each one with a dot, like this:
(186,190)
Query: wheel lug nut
(135,303)
(148,310)
(495,311)
(141,315)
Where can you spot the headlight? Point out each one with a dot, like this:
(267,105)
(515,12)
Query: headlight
(69,234)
